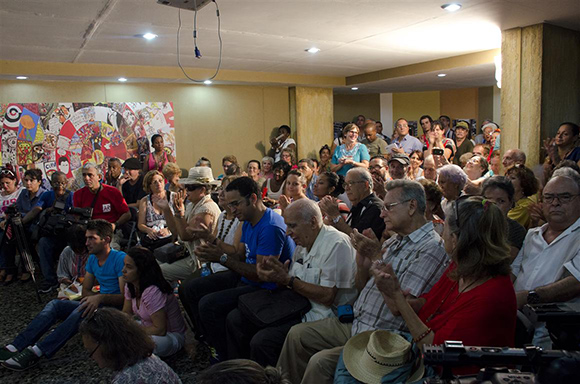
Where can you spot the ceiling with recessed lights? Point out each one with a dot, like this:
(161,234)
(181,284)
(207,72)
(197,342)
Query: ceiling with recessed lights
(354,36)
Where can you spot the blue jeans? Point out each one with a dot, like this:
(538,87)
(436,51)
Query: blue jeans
(48,247)
(54,311)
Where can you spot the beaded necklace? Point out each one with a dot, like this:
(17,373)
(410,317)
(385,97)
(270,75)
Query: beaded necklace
(227,229)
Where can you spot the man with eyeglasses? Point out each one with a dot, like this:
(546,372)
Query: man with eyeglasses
(547,268)
(263,234)
(366,206)
(104,265)
(417,254)
(380,172)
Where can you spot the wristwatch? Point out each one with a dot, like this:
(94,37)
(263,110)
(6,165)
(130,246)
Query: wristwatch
(533,297)
(223,259)
(336,219)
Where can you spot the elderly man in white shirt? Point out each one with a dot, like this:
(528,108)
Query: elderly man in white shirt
(547,268)
(323,270)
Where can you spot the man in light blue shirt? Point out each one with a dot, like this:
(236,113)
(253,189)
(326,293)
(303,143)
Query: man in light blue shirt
(405,142)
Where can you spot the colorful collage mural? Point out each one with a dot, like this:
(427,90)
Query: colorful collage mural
(65,136)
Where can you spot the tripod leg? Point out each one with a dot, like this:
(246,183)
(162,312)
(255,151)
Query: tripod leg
(22,245)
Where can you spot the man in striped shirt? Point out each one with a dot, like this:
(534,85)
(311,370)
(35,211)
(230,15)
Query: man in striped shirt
(416,252)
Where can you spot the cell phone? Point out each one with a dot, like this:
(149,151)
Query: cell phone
(438,151)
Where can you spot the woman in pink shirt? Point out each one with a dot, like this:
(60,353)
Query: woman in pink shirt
(150,297)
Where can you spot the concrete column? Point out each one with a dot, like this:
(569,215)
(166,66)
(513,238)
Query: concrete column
(540,82)
(311,117)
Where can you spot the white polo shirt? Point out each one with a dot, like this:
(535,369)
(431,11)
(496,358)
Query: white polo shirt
(330,263)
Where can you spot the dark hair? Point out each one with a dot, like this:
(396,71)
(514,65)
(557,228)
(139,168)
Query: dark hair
(245,186)
(445,116)
(499,182)
(148,270)
(56,174)
(203,160)
(336,181)
(568,163)
(257,162)
(102,227)
(573,126)
(240,371)
(426,117)
(436,122)
(284,166)
(433,192)
(154,137)
(286,128)
(62,159)
(307,161)
(8,172)
(325,146)
(419,153)
(76,238)
(122,341)
(528,181)
(115,160)
(482,249)
(35,174)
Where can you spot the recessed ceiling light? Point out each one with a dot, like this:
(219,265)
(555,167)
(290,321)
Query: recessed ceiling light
(149,36)
(21,77)
(354,88)
(208,82)
(442,75)
(451,7)
(122,79)
(313,50)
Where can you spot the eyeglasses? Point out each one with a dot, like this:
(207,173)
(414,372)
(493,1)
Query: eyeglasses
(95,350)
(235,204)
(59,184)
(388,207)
(563,198)
(351,183)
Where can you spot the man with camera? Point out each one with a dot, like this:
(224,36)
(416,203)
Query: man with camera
(106,202)
(50,209)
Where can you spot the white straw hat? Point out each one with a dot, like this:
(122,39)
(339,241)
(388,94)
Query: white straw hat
(371,355)
(200,176)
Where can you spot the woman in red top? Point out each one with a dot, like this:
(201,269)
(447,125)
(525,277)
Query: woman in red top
(474,301)
(159,157)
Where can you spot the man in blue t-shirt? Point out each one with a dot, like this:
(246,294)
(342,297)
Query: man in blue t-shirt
(106,266)
(263,235)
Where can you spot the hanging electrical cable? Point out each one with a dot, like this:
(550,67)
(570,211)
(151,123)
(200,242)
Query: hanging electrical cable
(195,48)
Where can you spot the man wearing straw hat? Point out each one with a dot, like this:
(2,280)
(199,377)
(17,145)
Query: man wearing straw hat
(202,211)
(311,350)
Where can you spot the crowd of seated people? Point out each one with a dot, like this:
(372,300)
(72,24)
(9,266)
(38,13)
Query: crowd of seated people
(435,237)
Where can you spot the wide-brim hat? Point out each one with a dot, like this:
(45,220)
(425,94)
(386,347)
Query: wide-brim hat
(371,355)
(199,176)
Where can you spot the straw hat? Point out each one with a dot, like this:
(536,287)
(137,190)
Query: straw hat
(199,176)
(371,355)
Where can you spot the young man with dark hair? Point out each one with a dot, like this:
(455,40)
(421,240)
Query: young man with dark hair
(105,265)
(263,235)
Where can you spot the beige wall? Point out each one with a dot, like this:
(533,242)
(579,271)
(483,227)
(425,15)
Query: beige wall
(210,121)
(460,103)
(413,105)
(311,110)
(346,107)
(485,104)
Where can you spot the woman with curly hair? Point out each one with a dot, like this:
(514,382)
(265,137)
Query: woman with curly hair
(118,343)
(150,297)
(525,188)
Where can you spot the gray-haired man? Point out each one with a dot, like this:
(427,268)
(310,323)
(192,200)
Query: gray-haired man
(311,350)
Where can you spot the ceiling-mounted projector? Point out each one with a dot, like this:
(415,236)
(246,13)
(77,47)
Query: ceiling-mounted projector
(191,5)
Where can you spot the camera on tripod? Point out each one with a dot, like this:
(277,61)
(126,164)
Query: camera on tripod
(59,220)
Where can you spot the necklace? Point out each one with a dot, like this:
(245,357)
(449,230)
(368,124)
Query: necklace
(227,229)
(436,312)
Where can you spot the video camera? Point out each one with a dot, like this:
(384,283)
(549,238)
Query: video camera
(547,366)
(59,220)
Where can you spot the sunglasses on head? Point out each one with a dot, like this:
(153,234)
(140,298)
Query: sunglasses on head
(7,172)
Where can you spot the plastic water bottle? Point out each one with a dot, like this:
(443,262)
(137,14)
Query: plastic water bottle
(205,270)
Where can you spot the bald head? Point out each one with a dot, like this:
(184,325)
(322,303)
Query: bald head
(512,157)
(306,211)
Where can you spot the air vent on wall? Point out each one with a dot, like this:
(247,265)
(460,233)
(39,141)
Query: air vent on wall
(185,4)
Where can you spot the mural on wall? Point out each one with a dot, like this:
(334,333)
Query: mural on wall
(65,136)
